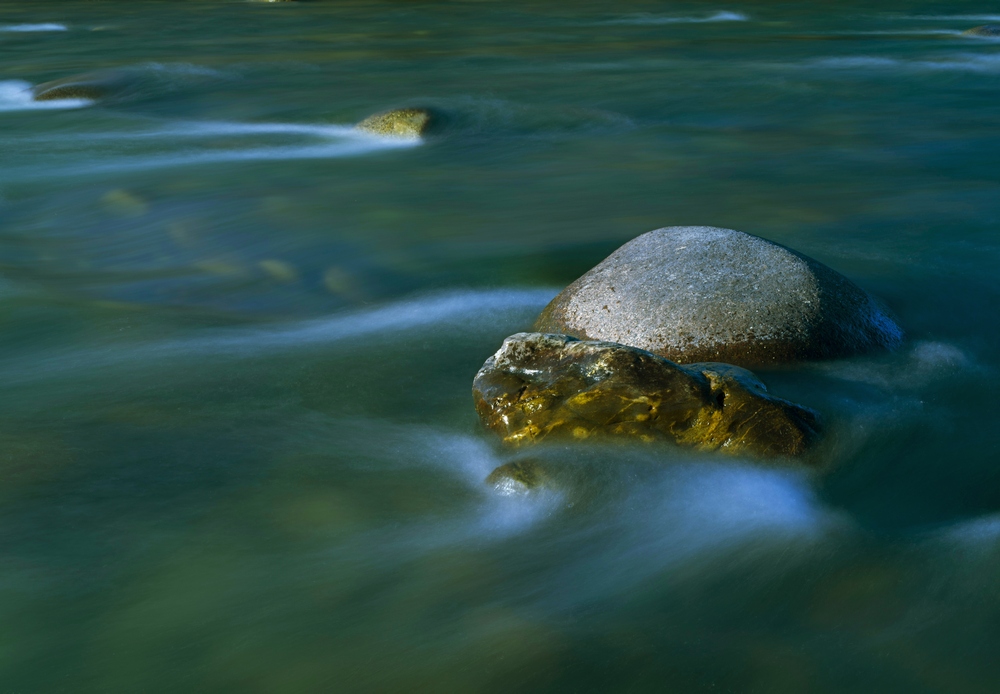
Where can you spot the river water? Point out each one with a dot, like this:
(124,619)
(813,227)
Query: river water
(238,446)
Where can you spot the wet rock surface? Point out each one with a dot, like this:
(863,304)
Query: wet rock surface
(518,477)
(987,30)
(695,294)
(554,387)
(404,122)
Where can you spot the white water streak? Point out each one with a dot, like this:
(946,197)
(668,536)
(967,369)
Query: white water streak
(449,307)
(331,141)
(956,17)
(465,308)
(642,19)
(33,27)
(960,63)
(696,513)
(902,32)
(348,147)
(976,531)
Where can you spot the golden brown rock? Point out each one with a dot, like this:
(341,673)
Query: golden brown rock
(991,31)
(403,122)
(91,85)
(542,386)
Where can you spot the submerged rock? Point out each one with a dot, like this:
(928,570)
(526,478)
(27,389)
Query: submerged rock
(543,386)
(987,30)
(517,477)
(91,85)
(706,294)
(403,122)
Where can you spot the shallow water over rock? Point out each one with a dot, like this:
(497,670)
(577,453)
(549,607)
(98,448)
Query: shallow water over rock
(238,448)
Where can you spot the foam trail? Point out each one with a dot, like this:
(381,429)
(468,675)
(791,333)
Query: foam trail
(919,365)
(340,142)
(488,518)
(983,530)
(16,95)
(641,19)
(695,513)
(965,63)
(216,128)
(33,27)
(449,308)
(957,17)
(188,69)
(199,129)
(470,459)
(902,32)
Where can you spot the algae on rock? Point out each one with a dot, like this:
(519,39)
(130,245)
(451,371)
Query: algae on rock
(545,386)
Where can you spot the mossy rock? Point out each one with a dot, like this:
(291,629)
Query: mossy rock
(986,30)
(541,387)
(402,122)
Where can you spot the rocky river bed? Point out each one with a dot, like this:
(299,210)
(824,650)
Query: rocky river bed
(240,451)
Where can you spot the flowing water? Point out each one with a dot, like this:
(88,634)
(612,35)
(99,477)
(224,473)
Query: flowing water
(239,452)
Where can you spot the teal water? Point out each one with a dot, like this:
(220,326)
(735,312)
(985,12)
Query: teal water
(239,450)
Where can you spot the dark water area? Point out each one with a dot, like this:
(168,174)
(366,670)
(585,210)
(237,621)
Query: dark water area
(238,338)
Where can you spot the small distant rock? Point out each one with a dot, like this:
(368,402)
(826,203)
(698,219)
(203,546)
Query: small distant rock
(553,387)
(279,270)
(403,122)
(695,294)
(122,203)
(91,85)
(987,30)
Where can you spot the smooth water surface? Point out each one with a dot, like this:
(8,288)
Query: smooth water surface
(238,446)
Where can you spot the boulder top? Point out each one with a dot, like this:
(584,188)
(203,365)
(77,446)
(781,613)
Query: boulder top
(710,294)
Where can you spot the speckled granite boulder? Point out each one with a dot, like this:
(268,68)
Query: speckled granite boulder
(90,85)
(706,294)
(549,387)
(987,30)
(403,122)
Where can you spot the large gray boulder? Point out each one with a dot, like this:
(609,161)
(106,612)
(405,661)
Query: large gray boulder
(694,294)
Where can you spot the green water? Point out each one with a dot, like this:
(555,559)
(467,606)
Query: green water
(238,446)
